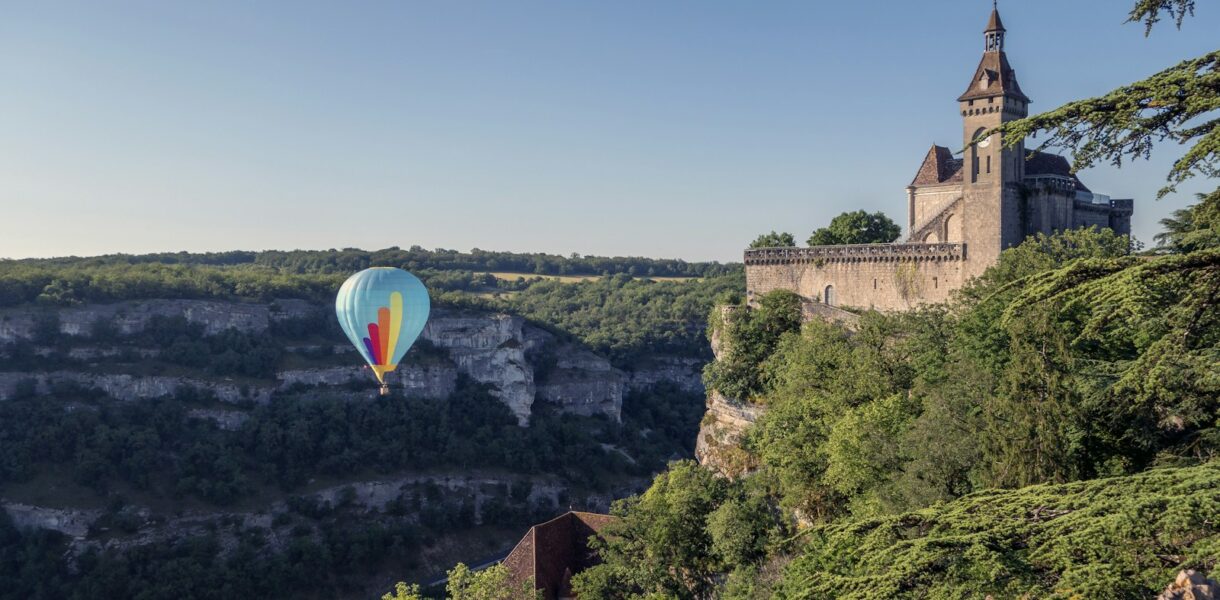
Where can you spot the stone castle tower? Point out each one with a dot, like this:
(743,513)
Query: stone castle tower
(961,212)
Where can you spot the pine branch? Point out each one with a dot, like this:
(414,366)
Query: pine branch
(1126,123)
(1149,11)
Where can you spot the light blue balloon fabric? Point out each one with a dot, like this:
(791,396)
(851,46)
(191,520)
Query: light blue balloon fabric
(370,314)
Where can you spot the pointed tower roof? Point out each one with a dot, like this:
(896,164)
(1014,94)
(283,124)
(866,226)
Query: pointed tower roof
(994,76)
(994,23)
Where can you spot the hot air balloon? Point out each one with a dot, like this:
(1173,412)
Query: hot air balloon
(382,310)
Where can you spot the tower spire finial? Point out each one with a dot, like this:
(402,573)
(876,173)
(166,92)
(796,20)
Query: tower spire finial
(994,33)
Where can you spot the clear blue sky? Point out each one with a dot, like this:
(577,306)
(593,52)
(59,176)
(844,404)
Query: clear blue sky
(667,129)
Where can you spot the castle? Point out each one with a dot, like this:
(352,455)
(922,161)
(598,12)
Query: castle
(961,212)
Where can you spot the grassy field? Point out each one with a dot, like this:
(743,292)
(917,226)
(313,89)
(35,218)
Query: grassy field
(574,278)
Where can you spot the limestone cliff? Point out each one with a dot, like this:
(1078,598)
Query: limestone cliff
(489,349)
(725,422)
(719,444)
(498,350)
(584,383)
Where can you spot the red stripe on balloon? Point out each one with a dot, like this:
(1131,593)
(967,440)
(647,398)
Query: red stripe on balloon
(375,338)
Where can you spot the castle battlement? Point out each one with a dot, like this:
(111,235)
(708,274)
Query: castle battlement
(856,253)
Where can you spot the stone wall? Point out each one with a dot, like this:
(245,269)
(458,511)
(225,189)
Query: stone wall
(880,276)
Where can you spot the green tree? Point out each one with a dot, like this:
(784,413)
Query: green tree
(857,227)
(661,546)
(1193,228)
(402,591)
(744,526)
(748,336)
(773,240)
(494,583)
(1176,104)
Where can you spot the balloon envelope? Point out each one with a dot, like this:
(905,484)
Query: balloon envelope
(382,310)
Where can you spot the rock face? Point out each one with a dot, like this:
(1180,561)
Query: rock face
(130,387)
(499,350)
(489,349)
(404,496)
(225,419)
(584,383)
(685,373)
(1191,585)
(725,422)
(73,523)
(431,381)
(719,444)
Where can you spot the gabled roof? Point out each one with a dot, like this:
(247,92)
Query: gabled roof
(938,167)
(1002,77)
(553,551)
(1045,163)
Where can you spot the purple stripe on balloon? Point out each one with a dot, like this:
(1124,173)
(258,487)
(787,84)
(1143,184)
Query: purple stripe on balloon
(369,344)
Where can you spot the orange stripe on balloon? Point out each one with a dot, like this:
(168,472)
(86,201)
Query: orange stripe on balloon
(383,328)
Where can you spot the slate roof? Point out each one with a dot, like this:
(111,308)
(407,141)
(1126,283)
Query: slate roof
(994,66)
(994,23)
(938,167)
(1045,163)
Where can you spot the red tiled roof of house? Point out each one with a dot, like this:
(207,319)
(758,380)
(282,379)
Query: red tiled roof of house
(553,551)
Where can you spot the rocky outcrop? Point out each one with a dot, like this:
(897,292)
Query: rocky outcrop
(685,373)
(401,497)
(133,316)
(493,349)
(719,444)
(131,387)
(1191,585)
(432,381)
(70,522)
(584,383)
(231,420)
(489,349)
(478,488)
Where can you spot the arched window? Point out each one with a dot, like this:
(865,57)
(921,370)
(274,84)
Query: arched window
(953,228)
(931,238)
(974,153)
(830,295)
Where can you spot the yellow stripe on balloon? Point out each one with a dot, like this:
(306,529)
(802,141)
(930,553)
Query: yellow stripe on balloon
(395,324)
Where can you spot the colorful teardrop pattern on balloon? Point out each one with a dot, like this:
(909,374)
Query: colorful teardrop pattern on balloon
(383,334)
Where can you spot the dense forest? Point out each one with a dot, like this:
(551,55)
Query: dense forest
(618,314)
(129,455)
(350,260)
(1068,361)
(151,450)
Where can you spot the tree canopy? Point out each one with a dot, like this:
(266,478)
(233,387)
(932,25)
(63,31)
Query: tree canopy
(857,227)
(773,240)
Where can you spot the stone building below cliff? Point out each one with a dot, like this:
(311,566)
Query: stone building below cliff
(961,211)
